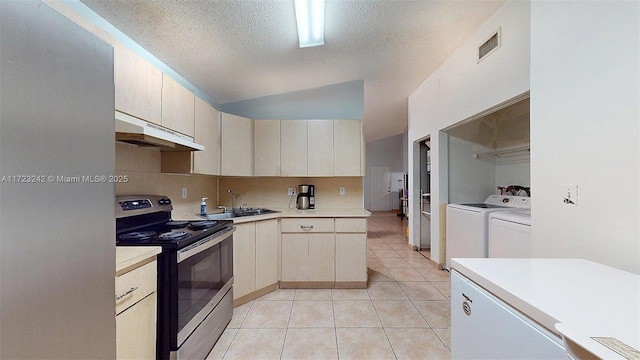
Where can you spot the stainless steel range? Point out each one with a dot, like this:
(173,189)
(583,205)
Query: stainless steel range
(195,273)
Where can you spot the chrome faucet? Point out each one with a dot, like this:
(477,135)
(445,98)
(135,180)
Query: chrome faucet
(233,199)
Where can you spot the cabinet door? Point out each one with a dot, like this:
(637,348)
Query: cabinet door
(321,257)
(293,156)
(320,148)
(136,330)
(237,146)
(295,257)
(351,257)
(267,147)
(177,107)
(207,133)
(347,135)
(267,235)
(138,85)
(244,259)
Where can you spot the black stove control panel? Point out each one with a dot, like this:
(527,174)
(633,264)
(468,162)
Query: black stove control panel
(135,204)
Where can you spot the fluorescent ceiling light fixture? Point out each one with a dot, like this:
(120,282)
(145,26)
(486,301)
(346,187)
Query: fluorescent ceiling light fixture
(310,19)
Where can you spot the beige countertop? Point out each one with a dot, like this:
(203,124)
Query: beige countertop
(295,213)
(130,256)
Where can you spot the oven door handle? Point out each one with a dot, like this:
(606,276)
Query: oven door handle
(203,245)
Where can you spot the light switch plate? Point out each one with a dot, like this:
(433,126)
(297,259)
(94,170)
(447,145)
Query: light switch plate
(184,193)
(342,191)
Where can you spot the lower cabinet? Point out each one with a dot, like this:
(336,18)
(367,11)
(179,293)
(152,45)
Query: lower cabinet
(136,330)
(244,259)
(351,252)
(351,260)
(301,253)
(308,258)
(255,259)
(136,301)
(324,253)
(267,250)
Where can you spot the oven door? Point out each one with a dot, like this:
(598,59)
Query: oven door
(205,274)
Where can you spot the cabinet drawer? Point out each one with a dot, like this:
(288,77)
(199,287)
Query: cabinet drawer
(142,279)
(307,225)
(351,225)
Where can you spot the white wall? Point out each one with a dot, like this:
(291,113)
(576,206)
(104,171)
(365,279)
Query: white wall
(513,174)
(461,88)
(585,130)
(470,179)
(386,152)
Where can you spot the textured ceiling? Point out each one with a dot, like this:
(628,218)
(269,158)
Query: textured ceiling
(235,50)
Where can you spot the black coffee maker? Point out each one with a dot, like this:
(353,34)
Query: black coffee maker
(306,197)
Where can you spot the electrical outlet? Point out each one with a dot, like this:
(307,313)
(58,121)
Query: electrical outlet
(184,193)
(291,191)
(342,192)
(571,194)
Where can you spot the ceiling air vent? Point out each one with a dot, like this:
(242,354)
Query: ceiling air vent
(489,46)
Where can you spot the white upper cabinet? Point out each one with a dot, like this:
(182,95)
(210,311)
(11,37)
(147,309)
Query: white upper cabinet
(320,148)
(177,107)
(138,86)
(267,147)
(347,137)
(237,146)
(293,147)
(207,133)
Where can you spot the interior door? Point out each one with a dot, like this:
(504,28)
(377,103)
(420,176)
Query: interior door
(380,187)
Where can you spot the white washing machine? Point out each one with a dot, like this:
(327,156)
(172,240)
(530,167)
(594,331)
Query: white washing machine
(510,234)
(467,225)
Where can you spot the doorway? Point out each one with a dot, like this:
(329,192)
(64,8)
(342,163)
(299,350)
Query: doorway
(380,188)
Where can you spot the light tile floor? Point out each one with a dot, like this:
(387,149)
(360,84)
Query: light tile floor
(403,313)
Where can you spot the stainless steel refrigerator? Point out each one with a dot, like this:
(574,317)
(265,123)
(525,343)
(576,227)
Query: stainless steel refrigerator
(57,231)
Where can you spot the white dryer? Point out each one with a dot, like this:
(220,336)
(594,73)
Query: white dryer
(510,234)
(467,225)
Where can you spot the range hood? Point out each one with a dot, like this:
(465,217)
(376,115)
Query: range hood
(145,134)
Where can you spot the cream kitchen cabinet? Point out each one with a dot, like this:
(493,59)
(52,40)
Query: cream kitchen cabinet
(267,147)
(244,259)
(348,148)
(255,259)
(138,85)
(308,253)
(321,148)
(351,252)
(267,253)
(293,145)
(320,153)
(237,146)
(136,302)
(207,133)
(177,107)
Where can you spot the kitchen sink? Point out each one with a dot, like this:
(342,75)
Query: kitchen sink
(239,213)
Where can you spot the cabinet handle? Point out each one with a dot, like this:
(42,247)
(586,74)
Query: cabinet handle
(127,293)
(306,227)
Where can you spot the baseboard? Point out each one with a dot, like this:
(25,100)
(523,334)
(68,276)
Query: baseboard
(307,284)
(255,294)
(351,285)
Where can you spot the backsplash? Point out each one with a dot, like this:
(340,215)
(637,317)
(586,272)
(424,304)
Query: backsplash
(142,167)
(272,191)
